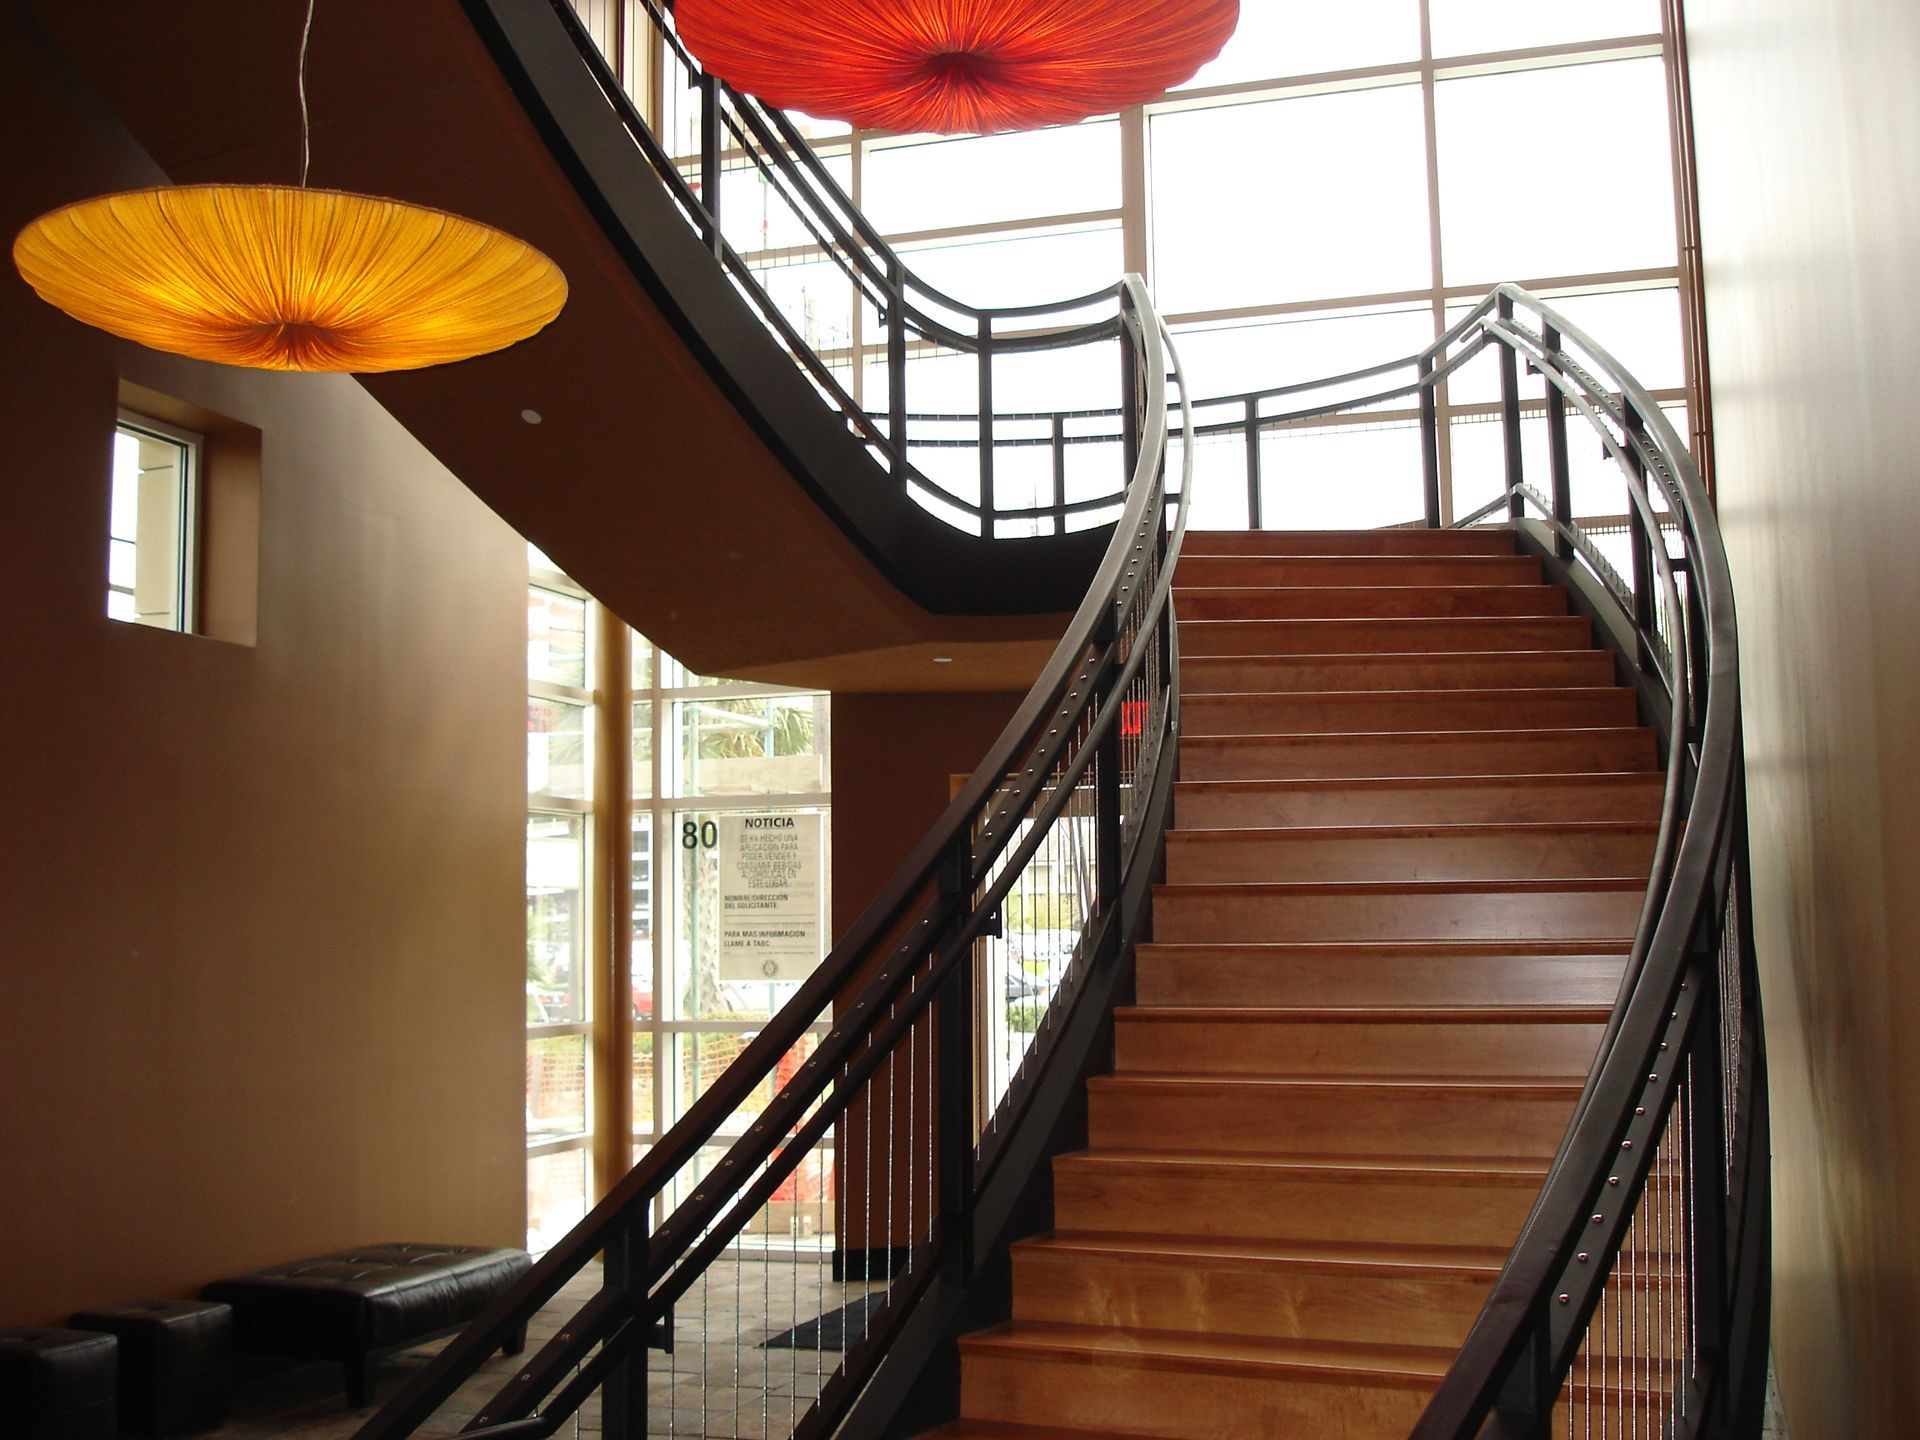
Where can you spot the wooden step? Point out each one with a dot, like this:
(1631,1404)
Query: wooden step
(1605,909)
(997,1430)
(1326,602)
(1453,1042)
(1420,1200)
(1383,637)
(1346,711)
(1361,975)
(1409,852)
(1198,572)
(1106,1381)
(1578,750)
(1349,542)
(1454,670)
(1416,800)
(1401,1295)
(1361,1115)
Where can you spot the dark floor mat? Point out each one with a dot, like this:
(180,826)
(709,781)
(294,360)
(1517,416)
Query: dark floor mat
(828,1331)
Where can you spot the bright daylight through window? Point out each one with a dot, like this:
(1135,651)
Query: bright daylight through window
(151,524)
(1332,192)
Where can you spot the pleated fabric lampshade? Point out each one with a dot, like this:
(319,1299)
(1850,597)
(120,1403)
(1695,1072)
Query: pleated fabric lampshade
(955,66)
(282,278)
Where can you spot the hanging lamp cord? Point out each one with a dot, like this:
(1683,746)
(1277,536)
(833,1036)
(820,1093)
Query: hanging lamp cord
(306,134)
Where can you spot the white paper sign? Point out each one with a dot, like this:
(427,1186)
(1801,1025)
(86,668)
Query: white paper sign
(770,920)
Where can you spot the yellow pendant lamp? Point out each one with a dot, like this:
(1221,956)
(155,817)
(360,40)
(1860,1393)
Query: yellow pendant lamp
(276,277)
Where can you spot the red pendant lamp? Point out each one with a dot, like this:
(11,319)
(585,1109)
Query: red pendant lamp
(955,66)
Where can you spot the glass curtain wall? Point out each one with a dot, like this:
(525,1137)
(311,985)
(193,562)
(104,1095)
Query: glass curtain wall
(712,760)
(1334,190)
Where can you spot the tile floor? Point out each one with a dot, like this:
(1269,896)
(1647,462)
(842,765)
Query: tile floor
(718,1382)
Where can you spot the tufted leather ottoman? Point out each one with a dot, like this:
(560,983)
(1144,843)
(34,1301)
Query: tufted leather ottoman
(176,1363)
(56,1385)
(356,1305)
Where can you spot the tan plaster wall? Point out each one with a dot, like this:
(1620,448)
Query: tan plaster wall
(1808,126)
(261,974)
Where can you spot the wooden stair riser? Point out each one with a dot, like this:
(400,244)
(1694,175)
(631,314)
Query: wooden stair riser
(1531,799)
(1349,712)
(1148,1042)
(1301,976)
(1376,637)
(1318,757)
(1328,1119)
(1214,571)
(1303,602)
(1123,1399)
(1224,856)
(1347,542)
(1399,1304)
(1256,915)
(1263,1202)
(1463,670)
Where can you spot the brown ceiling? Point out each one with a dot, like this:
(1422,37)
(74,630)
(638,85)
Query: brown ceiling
(641,479)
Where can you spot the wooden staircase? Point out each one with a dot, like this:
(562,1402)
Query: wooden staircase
(1412,835)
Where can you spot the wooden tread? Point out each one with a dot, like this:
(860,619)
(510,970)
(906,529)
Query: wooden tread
(1413,799)
(1411,754)
(1410,852)
(1376,636)
(1347,602)
(1418,670)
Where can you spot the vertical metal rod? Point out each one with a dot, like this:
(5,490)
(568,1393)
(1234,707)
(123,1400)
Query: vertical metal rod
(1429,443)
(1106,813)
(1060,474)
(1510,416)
(710,160)
(1129,394)
(1557,455)
(987,503)
(1255,519)
(897,363)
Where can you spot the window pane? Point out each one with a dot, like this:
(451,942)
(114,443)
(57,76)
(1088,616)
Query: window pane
(556,749)
(1275,40)
(1474,27)
(641,650)
(773,745)
(1234,224)
(703,983)
(556,637)
(1226,359)
(934,184)
(147,563)
(642,918)
(1565,227)
(556,1086)
(1021,269)
(556,1197)
(642,749)
(1341,477)
(556,919)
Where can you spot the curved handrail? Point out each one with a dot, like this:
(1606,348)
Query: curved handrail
(944,897)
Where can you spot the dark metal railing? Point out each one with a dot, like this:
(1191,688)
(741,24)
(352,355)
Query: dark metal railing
(982,947)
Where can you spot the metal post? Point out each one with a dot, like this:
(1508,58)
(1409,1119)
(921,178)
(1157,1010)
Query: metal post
(1510,416)
(1060,474)
(1641,545)
(1527,1398)
(624,1396)
(1430,442)
(1255,517)
(957,1068)
(710,160)
(1106,787)
(987,502)
(1557,455)
(897,363)
(1129,394)
(1706,1179)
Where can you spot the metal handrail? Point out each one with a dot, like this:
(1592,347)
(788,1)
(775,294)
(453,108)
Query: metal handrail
(944,897)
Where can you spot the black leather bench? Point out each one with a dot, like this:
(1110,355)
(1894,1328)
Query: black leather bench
(353,1307)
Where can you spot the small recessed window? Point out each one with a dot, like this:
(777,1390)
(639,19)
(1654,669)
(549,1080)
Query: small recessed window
(151,526)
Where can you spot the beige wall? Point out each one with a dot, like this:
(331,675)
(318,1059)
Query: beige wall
(1809,138)
(260,936)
